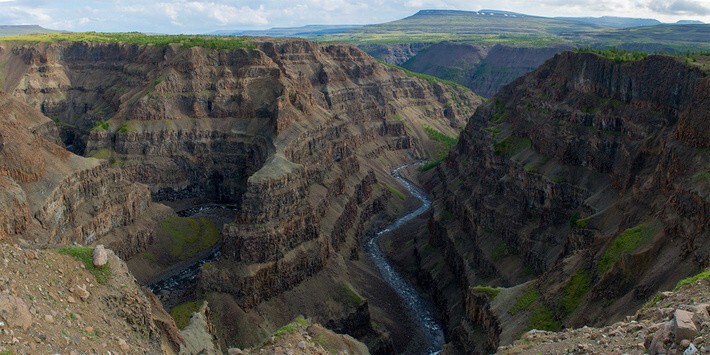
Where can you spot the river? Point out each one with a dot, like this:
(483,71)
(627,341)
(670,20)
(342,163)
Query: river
(422,310)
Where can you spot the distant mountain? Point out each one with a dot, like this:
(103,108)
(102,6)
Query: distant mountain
(690,22)
(10,30)
(303,31)
(611,21)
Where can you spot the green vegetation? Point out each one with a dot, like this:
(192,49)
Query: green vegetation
(124,128)
(86,256)
(511,145)
(691,280)
(492,292)
(542,318)
(211,42)
(396,192)
(574,290)
(352,295)
(182,313)
(102,154)
(582,222)
(525,300)
(626,242)
(653,301)
(447,142)
(299,322)
(615,54)
(188,236)
(100,126)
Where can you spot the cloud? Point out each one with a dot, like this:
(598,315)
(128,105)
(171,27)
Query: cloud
(679,7)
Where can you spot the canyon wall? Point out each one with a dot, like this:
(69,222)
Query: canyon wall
(586,177)
(300,136)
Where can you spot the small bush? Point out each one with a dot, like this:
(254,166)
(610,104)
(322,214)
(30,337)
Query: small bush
(124,128)
(100,126)
(86,256)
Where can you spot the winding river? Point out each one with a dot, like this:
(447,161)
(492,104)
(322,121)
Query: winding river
(421,309)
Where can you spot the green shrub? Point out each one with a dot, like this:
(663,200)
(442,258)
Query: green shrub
(615,54)
(627,242)
(86,256)
(574,290)
(435,135)
(582,222)
(100,126)
(182,313)
(124,128)
(492,292)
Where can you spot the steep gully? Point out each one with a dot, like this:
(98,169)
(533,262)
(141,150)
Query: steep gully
(422,310)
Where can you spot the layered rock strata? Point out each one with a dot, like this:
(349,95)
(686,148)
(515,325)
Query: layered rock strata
(586,176)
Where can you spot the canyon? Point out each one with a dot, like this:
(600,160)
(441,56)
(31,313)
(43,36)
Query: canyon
(301,137)
(575,196)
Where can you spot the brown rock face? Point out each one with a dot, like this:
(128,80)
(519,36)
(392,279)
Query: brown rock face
(560,171)
(300,136)
(50,195)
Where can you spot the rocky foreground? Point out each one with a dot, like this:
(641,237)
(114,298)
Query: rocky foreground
(673,322)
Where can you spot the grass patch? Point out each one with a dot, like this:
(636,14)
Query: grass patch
(352,295)
(574,290)
(492,292)
(86,256)
(525,300)
(627,242)
(435,135)
(188,236)
(432,80)
(691,280)
(182,313)
(653,301)
(100,126)
(188,41)
(290,328)
(582,222)
(396,192)
(102,154)
(511,145)
(123,128)
(447,142)
(542,318)
(615,54)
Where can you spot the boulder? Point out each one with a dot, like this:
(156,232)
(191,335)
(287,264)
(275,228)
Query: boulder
(100,256)
(683,326)
(14,312)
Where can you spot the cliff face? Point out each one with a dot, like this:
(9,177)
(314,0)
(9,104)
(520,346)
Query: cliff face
(52,196)
(300,136)
(485,69)
(588,177)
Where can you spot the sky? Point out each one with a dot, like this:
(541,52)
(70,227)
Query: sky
(196,16)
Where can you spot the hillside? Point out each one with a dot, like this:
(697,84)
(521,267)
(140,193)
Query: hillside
(12,30)
(580,190)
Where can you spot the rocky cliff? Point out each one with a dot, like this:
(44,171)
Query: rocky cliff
(485,69)
(587,178)
(301,137)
